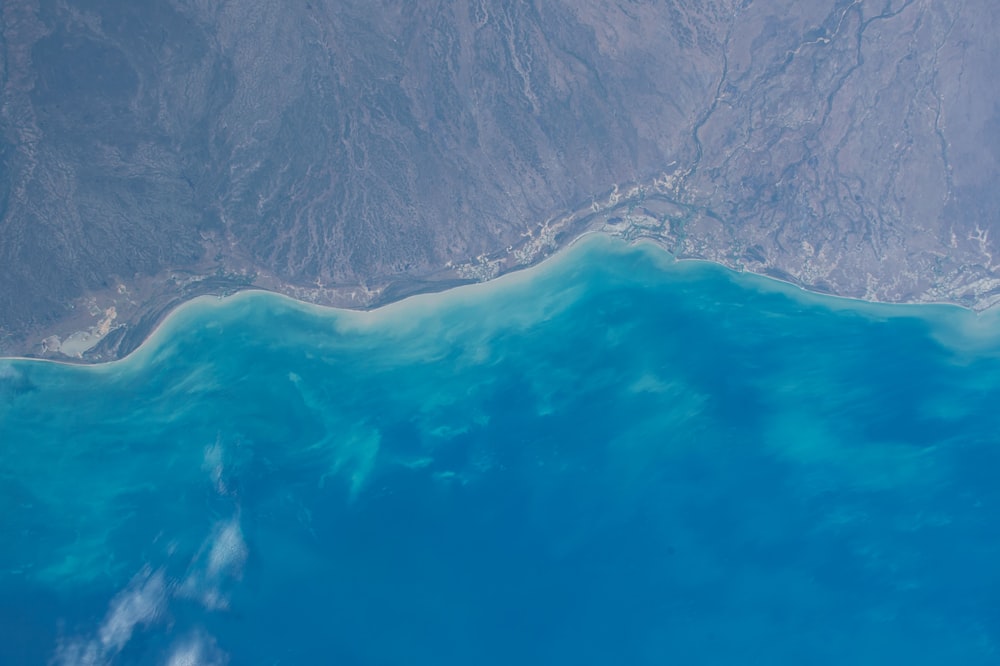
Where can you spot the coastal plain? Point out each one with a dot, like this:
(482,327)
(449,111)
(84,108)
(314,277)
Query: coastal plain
(350,154)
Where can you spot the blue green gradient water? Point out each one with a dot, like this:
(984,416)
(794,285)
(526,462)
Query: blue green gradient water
(607,460)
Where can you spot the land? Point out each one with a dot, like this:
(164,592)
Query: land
(351,153)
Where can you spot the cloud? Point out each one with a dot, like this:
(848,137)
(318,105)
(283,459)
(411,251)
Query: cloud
(216,566)
(229,550)
(197,650)
(142,602)
(214,465)
(220,560)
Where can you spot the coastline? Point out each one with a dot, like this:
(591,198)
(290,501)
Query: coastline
(981,328)
(655,212)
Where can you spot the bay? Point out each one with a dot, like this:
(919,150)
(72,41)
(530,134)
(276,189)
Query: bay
(610,458)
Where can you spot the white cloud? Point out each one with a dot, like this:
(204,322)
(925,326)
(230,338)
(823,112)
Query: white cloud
(220,560)
(197,650)
(214,465)
(229,550)
(143,602)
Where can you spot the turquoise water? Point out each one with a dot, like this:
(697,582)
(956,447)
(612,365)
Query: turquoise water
(610,459)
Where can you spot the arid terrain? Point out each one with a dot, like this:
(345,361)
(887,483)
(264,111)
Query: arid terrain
(349,152)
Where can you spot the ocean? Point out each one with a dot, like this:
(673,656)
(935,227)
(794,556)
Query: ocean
(612,458)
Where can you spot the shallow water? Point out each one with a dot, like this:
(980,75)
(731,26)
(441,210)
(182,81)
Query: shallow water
(607,459)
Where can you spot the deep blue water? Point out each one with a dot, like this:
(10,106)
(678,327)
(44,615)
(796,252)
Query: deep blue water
(610,459)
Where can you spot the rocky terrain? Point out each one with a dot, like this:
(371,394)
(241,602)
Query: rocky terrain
(351,152)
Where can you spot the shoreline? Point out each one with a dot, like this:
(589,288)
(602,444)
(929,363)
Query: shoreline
(426,289)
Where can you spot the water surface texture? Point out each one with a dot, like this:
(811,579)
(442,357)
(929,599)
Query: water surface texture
(610,459)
